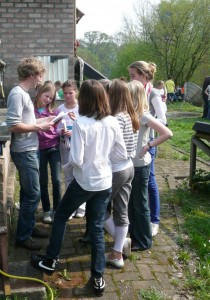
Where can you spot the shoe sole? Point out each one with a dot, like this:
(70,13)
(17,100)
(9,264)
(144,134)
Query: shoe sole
(47,222)
(114,265)
(98,294)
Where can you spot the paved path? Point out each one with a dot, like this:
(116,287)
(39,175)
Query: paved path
(156,268)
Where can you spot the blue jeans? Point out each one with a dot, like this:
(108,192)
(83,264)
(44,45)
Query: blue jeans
(72,199)
(172,97)
(138,210)
(27,164)
(153,190)
(208,115)
(206,106)
(51,156)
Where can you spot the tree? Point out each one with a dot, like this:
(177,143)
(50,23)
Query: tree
(179,31)
(129,52)
(101,46)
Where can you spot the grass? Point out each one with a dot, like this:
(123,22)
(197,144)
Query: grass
(194,240)
(151,294)
(185,107)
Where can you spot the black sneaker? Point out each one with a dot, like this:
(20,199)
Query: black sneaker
(99,286)
(39,233)
(29,244)
(44,264)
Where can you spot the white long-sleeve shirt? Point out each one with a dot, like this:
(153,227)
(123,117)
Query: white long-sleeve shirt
(92,143)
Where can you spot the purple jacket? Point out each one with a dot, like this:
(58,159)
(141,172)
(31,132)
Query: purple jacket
(49,138)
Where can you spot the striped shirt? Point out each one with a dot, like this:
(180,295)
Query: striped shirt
(128,135)
(129,139)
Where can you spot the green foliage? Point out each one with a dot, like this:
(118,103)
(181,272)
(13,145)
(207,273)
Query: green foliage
(175,34)
(151,294)
(90,58)
(127,54)
(15,297)
(184,257)
(99,50)
(180,33)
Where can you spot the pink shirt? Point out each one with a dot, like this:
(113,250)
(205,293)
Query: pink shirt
(49,138)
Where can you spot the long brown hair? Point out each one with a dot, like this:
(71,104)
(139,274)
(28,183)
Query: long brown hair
(120,101)
(93,100)
(47,87)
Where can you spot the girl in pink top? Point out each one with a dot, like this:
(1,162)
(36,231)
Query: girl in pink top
(44,105)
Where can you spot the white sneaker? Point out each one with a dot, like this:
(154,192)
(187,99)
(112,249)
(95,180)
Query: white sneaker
(47,218)
(155,228)
(17,205)
(80,213)
(127,247)
(118,263)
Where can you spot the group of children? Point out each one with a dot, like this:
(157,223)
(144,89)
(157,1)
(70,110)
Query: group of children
(106,145)
(109,162)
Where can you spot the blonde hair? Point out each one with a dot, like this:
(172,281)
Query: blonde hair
(160,83)
(147,69)
(30,66)
(47,87)
(138,96)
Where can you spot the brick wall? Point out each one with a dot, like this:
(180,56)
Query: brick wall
(35,28)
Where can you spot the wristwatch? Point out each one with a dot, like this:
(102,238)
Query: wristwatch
(148,143)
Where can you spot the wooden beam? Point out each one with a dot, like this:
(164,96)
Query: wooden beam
(196,142)
(4,260)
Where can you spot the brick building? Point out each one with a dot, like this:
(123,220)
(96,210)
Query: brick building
(42,28)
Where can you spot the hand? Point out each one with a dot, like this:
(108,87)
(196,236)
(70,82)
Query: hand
(72,115)
(44,126)
(50,118)
(143,151)
(66,132)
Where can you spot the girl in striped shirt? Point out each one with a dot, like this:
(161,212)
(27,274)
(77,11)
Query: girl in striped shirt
(122,172)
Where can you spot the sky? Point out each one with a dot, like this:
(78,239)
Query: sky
(103,15)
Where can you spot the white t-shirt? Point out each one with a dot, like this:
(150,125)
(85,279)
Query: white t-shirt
(142,139)
(69,121)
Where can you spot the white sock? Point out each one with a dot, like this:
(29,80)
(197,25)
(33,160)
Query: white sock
(120,236)
(110,226)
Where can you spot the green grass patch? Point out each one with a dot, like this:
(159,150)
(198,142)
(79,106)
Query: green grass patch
(151,294)
(184,106)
